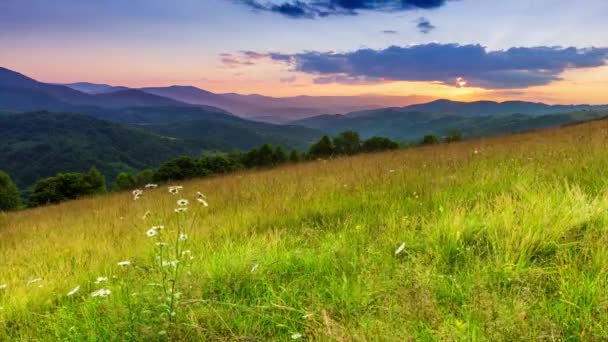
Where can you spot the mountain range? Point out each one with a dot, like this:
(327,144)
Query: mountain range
(48,128)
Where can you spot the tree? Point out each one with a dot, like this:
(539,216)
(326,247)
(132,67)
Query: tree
(322,149)
(144,177)
(294,156)
(347,142)
(9,194)
(429,139)
(453,136)
(124,181)
(67,186)
(265,156)
(378,144)
(279,156)
(180,169)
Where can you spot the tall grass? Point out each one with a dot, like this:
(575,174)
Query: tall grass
(496,239)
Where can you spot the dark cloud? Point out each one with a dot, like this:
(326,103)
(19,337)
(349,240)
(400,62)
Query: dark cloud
(323,8)
(232,61)
(514,68)
(424,25)
(389,31)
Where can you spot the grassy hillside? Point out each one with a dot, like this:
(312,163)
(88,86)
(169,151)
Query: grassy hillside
(498,239)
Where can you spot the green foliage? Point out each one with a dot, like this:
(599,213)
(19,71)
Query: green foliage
(294,156)
(279,156)
(430,139)
(144,177)
(124,181)
(454,136)
(347,142)
(322,149)
(179,169)
(374,144)
(9,194)
(67,186)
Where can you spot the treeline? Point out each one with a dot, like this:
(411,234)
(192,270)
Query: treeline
(67,186)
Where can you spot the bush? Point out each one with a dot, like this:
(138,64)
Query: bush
(144,177)
(9,194)
(347,142)
(124,181)
(378,144)
(430,139)
(67,186)
(453,136)
(180,169)
(279,156)
(220,163)
(322,149)
(294,156)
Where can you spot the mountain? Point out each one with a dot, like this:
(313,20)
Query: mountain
(484,108)
(279,109)
(94,88)
(403,124)
(21,93)
(35,145)
(40,144)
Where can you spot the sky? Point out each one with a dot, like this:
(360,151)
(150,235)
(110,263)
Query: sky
(553,51)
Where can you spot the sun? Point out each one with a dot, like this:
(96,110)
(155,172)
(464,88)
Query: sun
(461,82)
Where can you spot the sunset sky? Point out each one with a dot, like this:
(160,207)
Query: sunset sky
(553,51)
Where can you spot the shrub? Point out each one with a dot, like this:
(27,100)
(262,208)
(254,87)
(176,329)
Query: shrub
(323,148)
(347,142)
(180,169)
(124,181)
(430,139)
(67,186)
(453,136)
(378,144)
(9,194)
(294,156)
(279,156)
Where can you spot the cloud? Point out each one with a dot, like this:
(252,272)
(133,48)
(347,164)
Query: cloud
(389,32)
(424,25)
(234,61)
(288,80)
(323,8)
(514,68)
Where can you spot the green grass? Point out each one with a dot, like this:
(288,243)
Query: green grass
(505,244)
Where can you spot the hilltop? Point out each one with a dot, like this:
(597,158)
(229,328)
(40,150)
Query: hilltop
(493,239)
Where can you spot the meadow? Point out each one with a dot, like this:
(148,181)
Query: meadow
(498,239)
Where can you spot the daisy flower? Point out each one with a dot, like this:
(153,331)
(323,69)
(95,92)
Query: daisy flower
(73,292)
(101,293)
(182,202)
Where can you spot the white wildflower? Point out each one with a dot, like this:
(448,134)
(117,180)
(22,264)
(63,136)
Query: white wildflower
(400,249)
(151,186)
(181,210)
(124,263)
(200,194)
(296,336)
(3,286)
(174,190)
(170,263)
(254,268)
(146,214)
(138,192)
(162,244)
(202,201)
(182,202)
(183,237)
(101,280)
(101,293)
(152,232)
(73,292)
(34,281)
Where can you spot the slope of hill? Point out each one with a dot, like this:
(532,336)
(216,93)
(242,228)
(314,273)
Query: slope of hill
(19,92)
(488,108)
(41,144)
(94,88)
(494,239)
(403,124)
